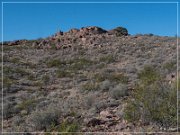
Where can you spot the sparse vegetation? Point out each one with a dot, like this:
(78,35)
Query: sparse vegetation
(90,81)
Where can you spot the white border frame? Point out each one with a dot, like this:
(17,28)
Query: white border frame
(177,23)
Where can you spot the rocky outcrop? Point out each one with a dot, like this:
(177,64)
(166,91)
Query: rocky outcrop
(119,31)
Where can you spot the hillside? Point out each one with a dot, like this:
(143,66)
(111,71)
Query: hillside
(90,80)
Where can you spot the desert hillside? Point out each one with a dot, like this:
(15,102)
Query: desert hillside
(90,80)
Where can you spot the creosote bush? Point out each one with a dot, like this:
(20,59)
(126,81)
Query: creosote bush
(148,75)
(153,100)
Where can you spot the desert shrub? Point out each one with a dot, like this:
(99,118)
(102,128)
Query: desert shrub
(21,71)
(8,110)
(66,126)
(90,86)
(100,65)
(119,91)
(38,83)
(7,82)
(15,60)
(9,71)
(46,79)
(31,77)
(132,112)
(27,105)
(63,73)
(29,64)
(118,77)
(44,119)
(170,66)
(120,31)
(54,63)
(111,76)
(156,99)
(99,77)
(105,85)
(148,75)
(81,63)
(89,101)
(107,59)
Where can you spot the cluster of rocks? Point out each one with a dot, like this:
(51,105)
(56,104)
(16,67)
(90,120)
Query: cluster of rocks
(91,30)
(89,36)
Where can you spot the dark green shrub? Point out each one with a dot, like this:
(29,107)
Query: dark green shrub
(155,98)
(120,31)
(148,75)
(170,66)
(63,73)
(27,105)
(132,112)
(54,63)
(46,79)
(68,127)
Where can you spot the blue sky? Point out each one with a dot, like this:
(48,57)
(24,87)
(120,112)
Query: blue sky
(32,21)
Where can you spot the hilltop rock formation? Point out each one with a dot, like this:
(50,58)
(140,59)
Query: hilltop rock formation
(89,36)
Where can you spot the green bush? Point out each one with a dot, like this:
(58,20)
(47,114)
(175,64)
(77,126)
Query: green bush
(68,127)
(154,100)
(132,112)
(148,75)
